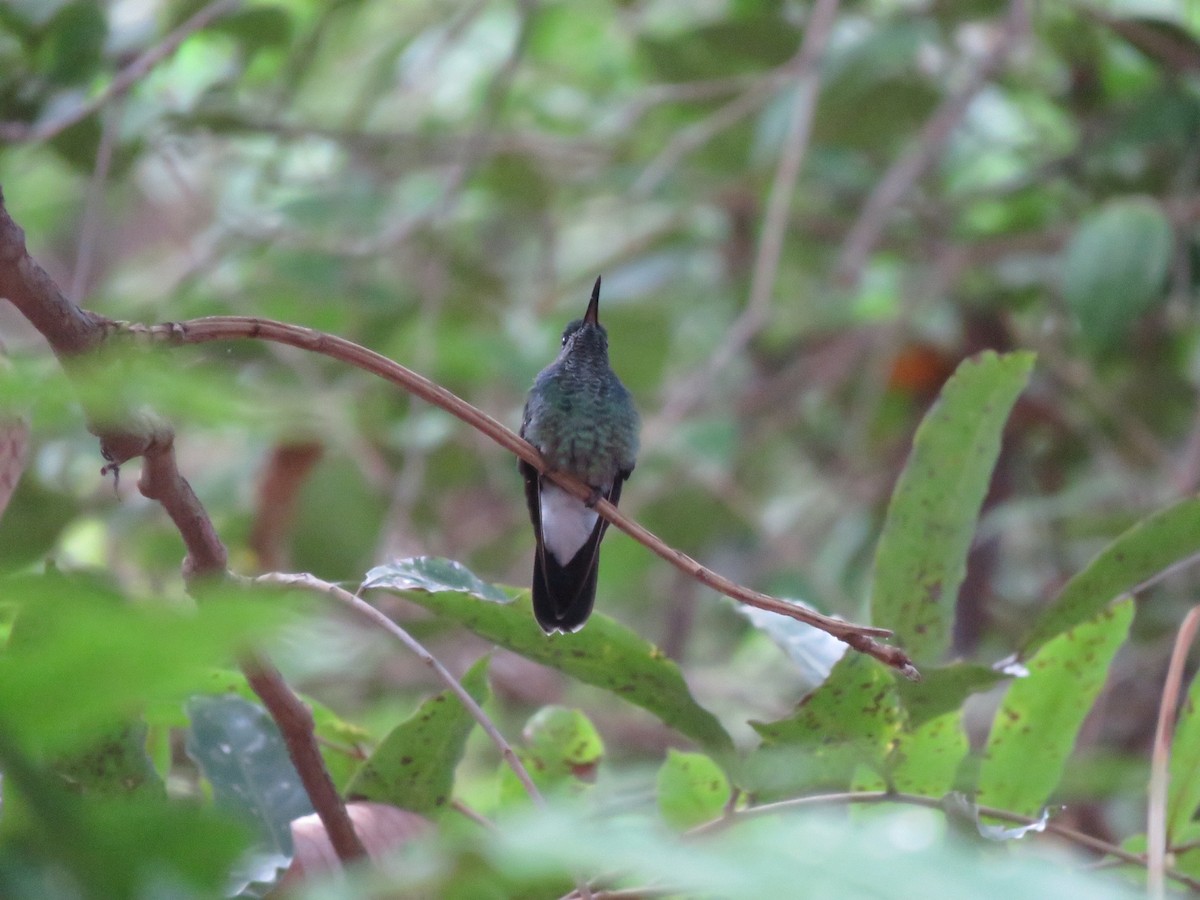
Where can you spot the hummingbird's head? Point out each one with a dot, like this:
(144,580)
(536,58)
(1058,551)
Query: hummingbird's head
(586,335)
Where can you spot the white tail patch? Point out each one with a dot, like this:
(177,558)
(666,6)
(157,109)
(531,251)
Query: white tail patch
(566,523)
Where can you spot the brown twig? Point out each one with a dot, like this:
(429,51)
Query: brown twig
(364,609)
(904,172)
(221,328)
(71,332)
(295,721)
(1160,758)
(122,81)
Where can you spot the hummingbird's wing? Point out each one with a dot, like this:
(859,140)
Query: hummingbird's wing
(563,595)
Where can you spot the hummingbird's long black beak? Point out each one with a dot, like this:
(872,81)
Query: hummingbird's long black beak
(592,316)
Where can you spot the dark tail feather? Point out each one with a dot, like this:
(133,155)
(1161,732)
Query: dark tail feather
(563,595)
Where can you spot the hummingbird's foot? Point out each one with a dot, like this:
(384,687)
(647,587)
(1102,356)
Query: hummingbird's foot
(593,498)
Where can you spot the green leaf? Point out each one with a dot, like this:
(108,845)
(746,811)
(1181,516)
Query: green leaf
(942,690)
(1035,728)
(78,658)
(922,555)
(413,768)
(239,749)
(691,789)
(925,759)
(433,574)
(846,722)
(1183,797)
(116,764)
(1115,267)
(340,740)
(562,753)
(1146,549)
(605,653)
(563,740)
(789,856)
(141,845)
(84,845)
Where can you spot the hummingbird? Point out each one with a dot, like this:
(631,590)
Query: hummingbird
(581,419)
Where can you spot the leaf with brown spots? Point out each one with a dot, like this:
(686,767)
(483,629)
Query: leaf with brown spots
(922,554)
(1035,728)
(1148,548)
(605,654)
(848,721)
(413,768)
(691,789)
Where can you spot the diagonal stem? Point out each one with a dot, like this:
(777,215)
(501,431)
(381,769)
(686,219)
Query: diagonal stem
(219,328)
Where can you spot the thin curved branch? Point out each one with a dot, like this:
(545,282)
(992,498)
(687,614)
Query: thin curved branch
(364,609)
(222,328)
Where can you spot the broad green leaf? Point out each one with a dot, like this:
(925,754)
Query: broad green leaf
(139,845)
(340,740)
(433,574)
(1183,790)
(1035,728)
(84,845)
(563,740)
(1149,547)
(692,789)
(79,658)
(925,759)
(1115,267)
(562,752)
(114,764)
(413,768)
(847,721)
(810,855)
(239,749)
(943,689)
(605,654)
(922,555)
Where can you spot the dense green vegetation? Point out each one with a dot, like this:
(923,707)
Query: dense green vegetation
(906,292)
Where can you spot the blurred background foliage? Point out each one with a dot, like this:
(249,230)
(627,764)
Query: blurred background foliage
(441,181)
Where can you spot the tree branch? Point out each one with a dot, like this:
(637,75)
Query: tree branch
(72,332)
(295,721)
(366,610)
(221,328)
